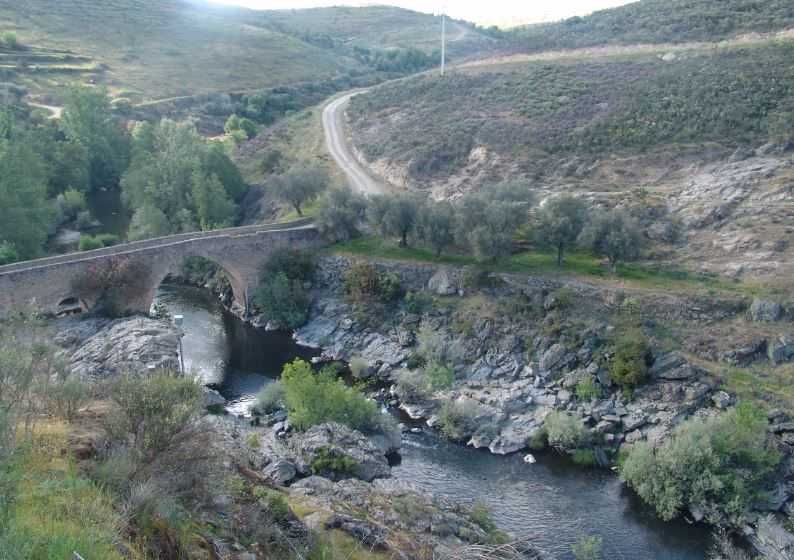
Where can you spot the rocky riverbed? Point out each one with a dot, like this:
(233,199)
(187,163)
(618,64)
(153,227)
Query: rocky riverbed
(525,344)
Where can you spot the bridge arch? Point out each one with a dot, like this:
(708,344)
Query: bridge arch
(135,270)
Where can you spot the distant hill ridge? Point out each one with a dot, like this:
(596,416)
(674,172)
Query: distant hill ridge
(658,21)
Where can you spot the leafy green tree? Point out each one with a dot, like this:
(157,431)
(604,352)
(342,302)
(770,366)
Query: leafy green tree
(148,221)
(237,123)
(25,212)
(341,212)
(589,548)
(192,184)
(300,185)
(488,221)
(614,235)
(88,120)
(719,465)
(560,221)
(213,207)
(436,225)
(216,162)
(394,215)
(284,301)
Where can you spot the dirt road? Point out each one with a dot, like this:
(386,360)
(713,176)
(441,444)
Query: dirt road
(336,139)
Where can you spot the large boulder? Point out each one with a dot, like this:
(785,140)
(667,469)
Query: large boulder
(764,311)
(781,349)
(344,446)
(443,283)
(673,367)
(131,344)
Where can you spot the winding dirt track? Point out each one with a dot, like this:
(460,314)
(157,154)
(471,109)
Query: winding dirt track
(338,145)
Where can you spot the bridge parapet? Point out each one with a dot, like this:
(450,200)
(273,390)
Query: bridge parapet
(49,284)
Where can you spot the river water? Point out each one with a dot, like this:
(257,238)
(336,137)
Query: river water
(553,501)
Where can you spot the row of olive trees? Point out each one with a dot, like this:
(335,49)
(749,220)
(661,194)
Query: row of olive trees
(486,223)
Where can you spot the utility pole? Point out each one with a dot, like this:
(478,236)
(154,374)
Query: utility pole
(443,40)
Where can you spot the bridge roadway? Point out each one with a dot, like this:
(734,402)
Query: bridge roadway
(52,283)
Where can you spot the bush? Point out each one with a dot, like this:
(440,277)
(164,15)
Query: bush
(113,283)
(439,376)
(363,282)
(584,457)
(67,395)
(538,440)
(588,548)
(565,431)
(457,419)
(69,205)
(319,398)
(8,254)
(359,367)
(434,347)
(588,389)
(332,461)
(632,356)
(274,502)
(283,301)
(281,294)
(719,465)
(270,398)
(10,40)
(89,243)
(418,302)
(152,411)
(412,386)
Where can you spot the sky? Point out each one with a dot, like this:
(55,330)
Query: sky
(486,12)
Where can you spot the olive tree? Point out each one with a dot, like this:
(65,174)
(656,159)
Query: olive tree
(341,211)
(614,235)
(560,221)
(300,185)
(394,215)
(488,221)
(436,225)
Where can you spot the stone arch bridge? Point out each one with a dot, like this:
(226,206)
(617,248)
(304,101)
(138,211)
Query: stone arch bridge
(67,282)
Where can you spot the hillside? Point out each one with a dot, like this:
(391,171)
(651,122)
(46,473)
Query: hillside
(150,49)
(693,139)
(659,21)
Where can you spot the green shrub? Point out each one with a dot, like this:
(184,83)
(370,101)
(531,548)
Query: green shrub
(270,398)
(412,386)
(584,457)
(359,367)
(363,283)
(69,204)
(632,355)
(274,502)
(152,411)
(434,347)
(8,254)
(588,548)
(418,302)
(10,40)
(319,398)
(588,389)
(564,430)
(457,419)
(538,440)
(89,243)
(67,395)
(415,361)
(439,376)
(330,460)
(281,294)
(719,465)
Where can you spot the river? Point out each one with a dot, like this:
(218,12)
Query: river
(553,501)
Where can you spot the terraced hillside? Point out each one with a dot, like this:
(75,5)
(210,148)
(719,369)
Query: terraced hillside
(152,49)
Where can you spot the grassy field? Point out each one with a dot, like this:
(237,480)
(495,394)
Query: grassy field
(576,265)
